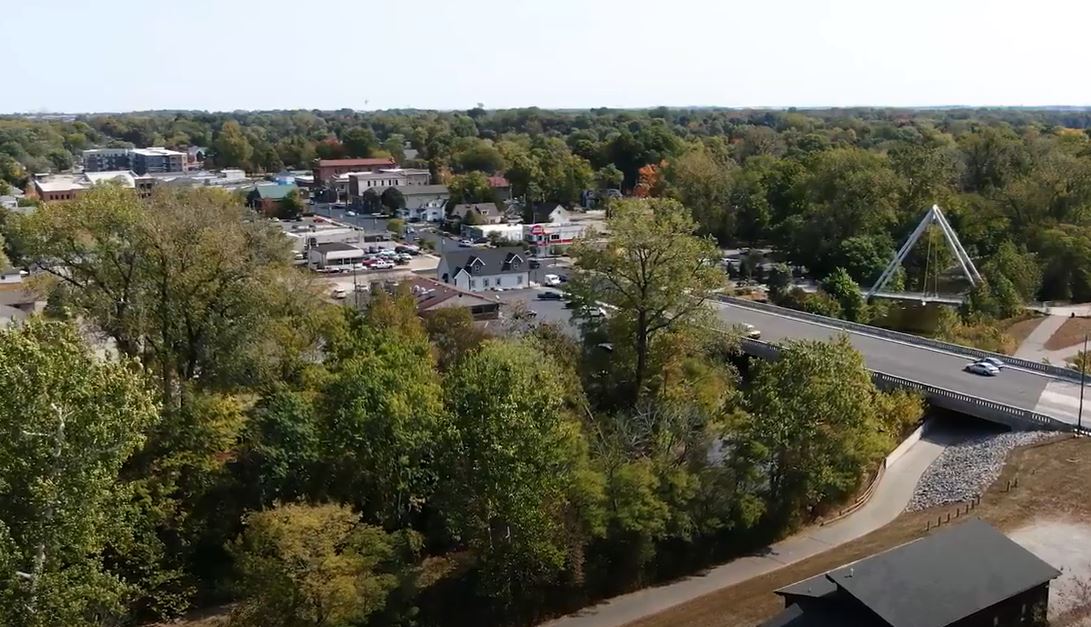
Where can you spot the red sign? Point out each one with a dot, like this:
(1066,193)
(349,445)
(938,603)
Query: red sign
(537,230)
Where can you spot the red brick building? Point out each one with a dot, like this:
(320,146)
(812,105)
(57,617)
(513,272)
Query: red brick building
(327,169)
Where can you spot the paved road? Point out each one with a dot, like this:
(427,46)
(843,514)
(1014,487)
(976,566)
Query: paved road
(367,223)
(1017,388)
(889,500)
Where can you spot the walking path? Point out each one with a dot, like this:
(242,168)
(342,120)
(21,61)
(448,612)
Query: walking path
(1033,347)
(888,501)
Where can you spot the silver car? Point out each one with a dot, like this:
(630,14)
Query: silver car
(982,368)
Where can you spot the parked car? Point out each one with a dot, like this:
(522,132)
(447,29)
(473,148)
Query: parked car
(351,214)
(992,361)
(339,293)
(465,243)
(549,295)
(982,368)
(382,264)
(551,280)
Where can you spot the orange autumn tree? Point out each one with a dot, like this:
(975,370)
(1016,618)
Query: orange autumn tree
(649,180)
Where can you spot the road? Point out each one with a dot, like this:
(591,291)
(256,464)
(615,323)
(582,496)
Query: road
(1017,388)
(889,500)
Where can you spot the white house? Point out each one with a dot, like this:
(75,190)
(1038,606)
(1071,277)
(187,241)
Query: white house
(333,255)
(481,269)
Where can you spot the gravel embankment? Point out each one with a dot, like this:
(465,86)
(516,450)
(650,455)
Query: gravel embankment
(965,470)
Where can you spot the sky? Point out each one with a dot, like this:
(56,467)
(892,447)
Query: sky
(221,55)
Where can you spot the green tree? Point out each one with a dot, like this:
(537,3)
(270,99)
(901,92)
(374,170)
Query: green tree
(453,335)
(609,177)
(290,207)
(703,184)
(313,565)
(359,141)
(392,199)
(69,422)
(517,488)
(370,200)
(814,421)
(395,226)
(653,269)
(840,286)
(470,188)
(231,147)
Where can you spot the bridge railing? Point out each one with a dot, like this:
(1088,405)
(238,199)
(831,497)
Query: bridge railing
(1026,364)
(947,399)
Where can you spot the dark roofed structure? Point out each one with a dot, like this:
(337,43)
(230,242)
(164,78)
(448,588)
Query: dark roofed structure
(965,575)
(486,261)
(488,211)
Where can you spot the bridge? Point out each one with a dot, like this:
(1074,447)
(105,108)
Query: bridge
(1024,395)
(917,297)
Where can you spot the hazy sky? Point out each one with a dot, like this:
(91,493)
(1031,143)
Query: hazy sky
(118,55)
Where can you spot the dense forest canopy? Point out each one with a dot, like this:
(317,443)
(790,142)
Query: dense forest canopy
(830,188)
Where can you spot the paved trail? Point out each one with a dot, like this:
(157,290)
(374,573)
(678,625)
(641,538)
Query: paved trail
(889,500)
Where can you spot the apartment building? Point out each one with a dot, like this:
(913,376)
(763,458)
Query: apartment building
(107,159)
(158,159)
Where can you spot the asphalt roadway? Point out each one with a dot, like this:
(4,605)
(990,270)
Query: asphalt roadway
(1022,389)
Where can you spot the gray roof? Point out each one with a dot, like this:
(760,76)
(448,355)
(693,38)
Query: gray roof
(487,209)
(330,247)
(487,261)
(940,579)
(421,190)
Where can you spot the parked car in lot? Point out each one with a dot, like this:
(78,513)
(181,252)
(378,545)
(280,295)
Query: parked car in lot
(982,368)
(551,280)
(382,264)
(549,295)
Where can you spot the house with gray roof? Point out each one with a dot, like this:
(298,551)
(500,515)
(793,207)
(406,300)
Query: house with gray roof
(486,212)
(482,269)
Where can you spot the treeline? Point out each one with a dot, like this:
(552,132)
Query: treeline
(316,465)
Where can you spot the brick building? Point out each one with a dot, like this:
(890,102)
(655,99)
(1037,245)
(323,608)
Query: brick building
(326,170)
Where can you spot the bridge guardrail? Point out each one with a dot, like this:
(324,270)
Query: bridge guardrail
(948,399)
(1055,371)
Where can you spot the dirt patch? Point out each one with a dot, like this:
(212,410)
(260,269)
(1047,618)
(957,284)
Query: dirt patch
(1051,486)
(1071,333)
(1066,546)
(1019,328)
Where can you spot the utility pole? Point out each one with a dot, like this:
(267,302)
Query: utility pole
(1083,377)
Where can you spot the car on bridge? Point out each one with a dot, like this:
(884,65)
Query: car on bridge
(992,361)
(982,368)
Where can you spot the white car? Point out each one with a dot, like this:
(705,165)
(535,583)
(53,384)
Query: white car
(339,293)
(982,368)
(992,361)
(750,331)
(351,214)
(551,280)
(382,264)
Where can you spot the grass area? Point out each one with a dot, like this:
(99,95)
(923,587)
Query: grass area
(1071,333)
(1019,328)
(1052,485)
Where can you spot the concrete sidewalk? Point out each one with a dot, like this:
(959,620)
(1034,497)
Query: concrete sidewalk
(889,500)
(1033,347)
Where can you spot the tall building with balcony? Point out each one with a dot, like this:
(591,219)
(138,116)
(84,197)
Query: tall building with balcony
(107,159)
(156,159)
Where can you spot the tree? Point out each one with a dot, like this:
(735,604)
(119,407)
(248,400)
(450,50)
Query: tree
(290,207)
(69,422)
(392,199)
(480,156)
(703,184)
(453,335)
(813,419)
(232,148)
(395,226)
(313,565)
(370,200)
(609,177)
(517,487)
(653,269)
(840,286)
(359,141)
(470,188)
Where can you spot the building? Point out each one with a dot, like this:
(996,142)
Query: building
(481,269)
(326,170)
(510,232)
(334,255)
(486,213)
(158,159)
(266,197)
(501,187)
(359,182)
(552,239)
(54,187)
(107,159)
(547,213)
(432,296)
(17,301)
(966,575)
(425,202)
(312,231)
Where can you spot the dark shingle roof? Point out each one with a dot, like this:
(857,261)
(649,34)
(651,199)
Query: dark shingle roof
(487,209)
(330,247)
(942,578)
(493,260)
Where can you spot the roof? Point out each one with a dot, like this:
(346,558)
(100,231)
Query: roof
(815,615)
(126,178)
(274,191)
(815,587)
(352,163)
(156,151)
(498,181)
(332,247)
(942,578)
(541,212)
(66,182)
(485,261)
(487,209)
(431,294)
(423,190)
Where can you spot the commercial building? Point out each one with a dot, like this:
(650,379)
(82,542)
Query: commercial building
(326,170)
(479,270)
(359,182)
(965,575)
(158,159)
(55,187)
(310,232)
(266,197)
(107,159)
(333,255)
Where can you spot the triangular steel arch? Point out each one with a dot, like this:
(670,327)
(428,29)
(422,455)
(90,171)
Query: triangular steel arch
(932,216)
